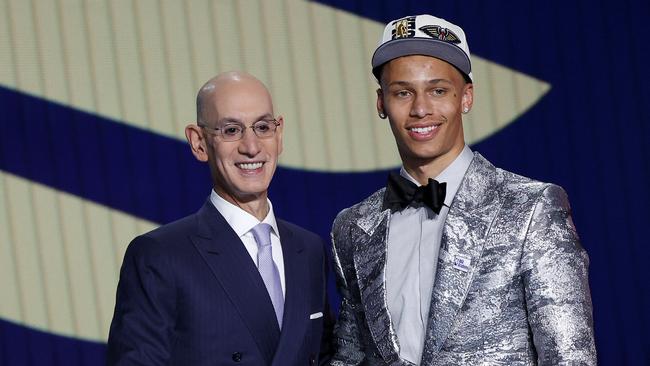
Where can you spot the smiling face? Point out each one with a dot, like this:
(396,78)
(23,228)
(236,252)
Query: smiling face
(241,170)
(424,98)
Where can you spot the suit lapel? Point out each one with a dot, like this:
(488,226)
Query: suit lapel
(370,265)
(471,214)
(233,268)
(296,312)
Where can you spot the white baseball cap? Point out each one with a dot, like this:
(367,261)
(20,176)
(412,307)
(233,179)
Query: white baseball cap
(423,35)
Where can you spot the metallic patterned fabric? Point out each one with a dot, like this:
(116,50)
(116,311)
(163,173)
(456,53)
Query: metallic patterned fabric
(511,286)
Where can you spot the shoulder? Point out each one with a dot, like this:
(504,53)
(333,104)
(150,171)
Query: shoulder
(512,183)
(294,237)
(164,239)
(301,232)
(519,188)
(370,205)
(515,192)
(482,177)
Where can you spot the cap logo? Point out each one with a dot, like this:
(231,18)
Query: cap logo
(440,33)
(404,28)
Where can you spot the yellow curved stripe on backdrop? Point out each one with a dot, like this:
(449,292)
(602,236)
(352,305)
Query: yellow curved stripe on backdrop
(60,258)
(141,62)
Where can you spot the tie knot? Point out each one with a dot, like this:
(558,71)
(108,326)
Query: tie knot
(400,193)
(262,234)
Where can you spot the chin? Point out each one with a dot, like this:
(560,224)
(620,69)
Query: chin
(253,189)
(420,155)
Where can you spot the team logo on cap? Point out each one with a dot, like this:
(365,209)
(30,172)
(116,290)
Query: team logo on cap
(438,32)
(404,28)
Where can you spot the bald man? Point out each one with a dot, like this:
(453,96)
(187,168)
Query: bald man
(230,284)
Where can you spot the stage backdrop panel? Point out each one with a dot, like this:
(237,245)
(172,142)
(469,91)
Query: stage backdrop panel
(95,94)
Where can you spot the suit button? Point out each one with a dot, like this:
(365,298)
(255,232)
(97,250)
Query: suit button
(312,360)
(236,356)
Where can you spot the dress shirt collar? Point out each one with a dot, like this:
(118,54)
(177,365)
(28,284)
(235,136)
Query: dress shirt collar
(239,220)
(452,175)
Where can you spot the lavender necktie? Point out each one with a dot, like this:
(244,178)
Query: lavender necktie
(267,268)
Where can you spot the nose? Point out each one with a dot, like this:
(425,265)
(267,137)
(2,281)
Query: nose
(421,106)
(249,144)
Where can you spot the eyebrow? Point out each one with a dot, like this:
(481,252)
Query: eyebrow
(407,83)
(227,120)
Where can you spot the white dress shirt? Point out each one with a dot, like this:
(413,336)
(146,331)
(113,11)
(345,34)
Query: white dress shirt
(243,222)
(414,236)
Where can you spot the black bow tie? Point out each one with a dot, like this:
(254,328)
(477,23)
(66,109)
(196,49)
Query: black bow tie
(401,192)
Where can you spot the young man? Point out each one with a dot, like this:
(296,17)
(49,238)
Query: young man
(231,283)
(455,262)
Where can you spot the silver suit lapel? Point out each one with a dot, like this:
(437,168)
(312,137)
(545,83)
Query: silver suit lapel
(471,214)
(370,266)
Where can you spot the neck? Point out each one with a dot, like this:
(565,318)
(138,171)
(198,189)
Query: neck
(259,209)
(256,205)
(423,169)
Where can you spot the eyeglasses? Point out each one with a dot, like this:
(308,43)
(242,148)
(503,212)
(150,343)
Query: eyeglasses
(263,129)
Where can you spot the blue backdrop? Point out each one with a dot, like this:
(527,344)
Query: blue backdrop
(589,134)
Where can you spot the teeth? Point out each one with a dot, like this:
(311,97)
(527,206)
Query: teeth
(423,129)
(250,166)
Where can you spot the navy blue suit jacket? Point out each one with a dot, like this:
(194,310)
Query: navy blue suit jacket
(189,294)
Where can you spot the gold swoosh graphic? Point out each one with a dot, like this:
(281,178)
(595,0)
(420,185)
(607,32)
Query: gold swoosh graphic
(142,62)
(61,258)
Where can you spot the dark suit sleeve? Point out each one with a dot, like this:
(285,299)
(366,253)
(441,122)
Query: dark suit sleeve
(143,321)
(555,269)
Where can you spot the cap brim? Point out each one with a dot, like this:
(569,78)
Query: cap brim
(422,46)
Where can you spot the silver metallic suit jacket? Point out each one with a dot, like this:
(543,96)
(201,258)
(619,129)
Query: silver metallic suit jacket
(511,286)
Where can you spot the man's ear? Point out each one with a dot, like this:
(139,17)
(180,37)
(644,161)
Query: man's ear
(198,144)
(278,132)
(381,111)
(468,96)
